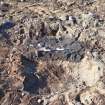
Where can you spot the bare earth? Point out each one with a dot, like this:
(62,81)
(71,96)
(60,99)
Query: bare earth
(52,52)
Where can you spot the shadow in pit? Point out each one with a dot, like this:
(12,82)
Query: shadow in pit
(1,93)
(3,29)
(33,81)
(77,98)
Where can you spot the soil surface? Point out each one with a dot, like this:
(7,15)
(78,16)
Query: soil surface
(52,52)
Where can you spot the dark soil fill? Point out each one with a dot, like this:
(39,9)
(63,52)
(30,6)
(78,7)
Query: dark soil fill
(33,82)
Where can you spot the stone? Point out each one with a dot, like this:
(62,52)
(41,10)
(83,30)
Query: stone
(90,71)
